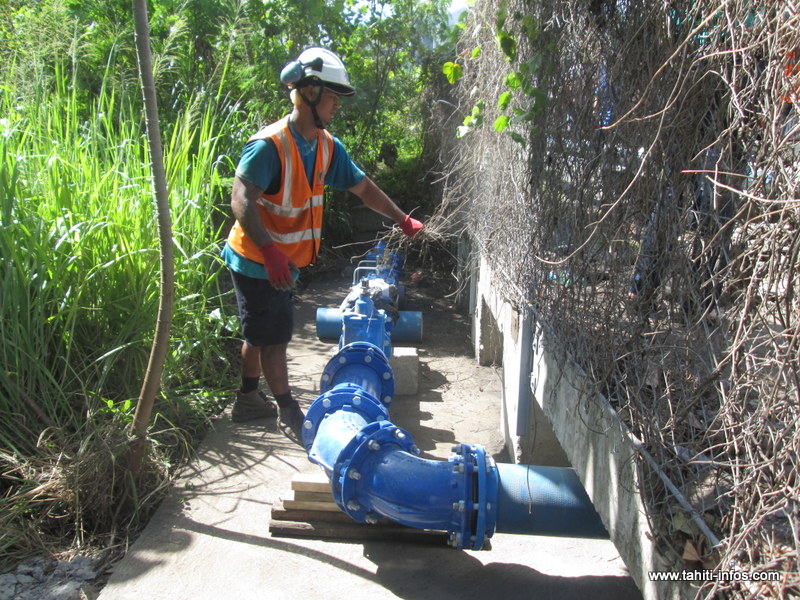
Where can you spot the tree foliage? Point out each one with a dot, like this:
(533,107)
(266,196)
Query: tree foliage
(236,48)
(78,241)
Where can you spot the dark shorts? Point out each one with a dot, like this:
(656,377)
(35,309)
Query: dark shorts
(266,314)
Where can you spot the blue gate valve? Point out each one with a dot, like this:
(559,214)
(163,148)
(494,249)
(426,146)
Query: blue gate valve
(367,323)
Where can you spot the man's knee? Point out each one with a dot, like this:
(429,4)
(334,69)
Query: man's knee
(275,352)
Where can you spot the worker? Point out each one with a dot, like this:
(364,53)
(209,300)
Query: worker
(277,201)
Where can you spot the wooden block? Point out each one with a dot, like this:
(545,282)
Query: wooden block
(314,496)
(281,514)
(356,531)
(324,520)
(314,501)
(291,504)
(405,364)
(311,482)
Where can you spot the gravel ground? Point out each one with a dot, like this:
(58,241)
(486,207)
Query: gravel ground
(50,579)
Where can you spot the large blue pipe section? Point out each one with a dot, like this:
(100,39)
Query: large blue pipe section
(376,471)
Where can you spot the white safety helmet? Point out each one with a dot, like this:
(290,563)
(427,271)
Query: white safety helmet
(318,66)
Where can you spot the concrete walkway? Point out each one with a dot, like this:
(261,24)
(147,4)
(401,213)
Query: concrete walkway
(210,538)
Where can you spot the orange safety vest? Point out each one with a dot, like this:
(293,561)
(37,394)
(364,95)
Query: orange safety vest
(792,71)
(293,216)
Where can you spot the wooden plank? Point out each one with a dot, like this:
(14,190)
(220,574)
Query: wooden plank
(314,497)
(291,517)
(292,504)
(281,514)
(356,531)
(309,501)
(308,510)
(311,482)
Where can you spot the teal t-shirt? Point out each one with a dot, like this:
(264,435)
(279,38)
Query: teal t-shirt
(260,164)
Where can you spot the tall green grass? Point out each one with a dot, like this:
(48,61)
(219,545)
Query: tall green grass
(79,276)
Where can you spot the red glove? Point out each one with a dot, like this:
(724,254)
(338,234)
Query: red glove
(277,265)
(411,227)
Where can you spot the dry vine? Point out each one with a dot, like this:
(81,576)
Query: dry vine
(666,151)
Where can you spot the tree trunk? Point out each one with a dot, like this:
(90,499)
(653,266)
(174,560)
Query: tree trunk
(155,367)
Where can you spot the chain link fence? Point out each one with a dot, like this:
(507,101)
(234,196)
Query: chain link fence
(630,170)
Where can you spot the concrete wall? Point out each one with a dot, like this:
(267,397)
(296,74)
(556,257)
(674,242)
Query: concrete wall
(501,335)
(552,415)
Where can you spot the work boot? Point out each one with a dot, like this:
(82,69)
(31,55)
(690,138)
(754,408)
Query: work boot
(292,416)
(252,405)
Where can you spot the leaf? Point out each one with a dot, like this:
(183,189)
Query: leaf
(502,14)
(514,80)
(531,27)
(504,100)
(690,553)
(533,65)
(453,71)
(477,114)
(508,44)
(682,522)
(501,123)
(476,52)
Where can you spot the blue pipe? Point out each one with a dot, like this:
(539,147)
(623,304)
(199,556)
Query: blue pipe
(363,365)
(541,500)
(377,276)
(408,327)
(376,471)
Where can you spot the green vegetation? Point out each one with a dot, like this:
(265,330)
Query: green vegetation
(522,95)
(78,245)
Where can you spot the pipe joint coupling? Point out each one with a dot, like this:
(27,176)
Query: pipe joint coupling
(347,397)
(474,516)
(353,473)
(364,364)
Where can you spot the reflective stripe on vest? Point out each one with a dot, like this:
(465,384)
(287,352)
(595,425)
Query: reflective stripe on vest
(292,216)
